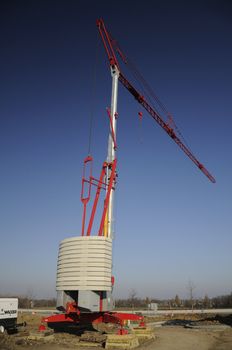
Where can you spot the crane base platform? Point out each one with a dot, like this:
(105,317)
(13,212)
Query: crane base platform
(72,320)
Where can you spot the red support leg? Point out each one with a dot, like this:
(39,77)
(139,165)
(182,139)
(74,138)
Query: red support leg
(99,186)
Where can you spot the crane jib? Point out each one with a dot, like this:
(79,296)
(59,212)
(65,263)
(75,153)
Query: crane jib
(164,125)
(110,46)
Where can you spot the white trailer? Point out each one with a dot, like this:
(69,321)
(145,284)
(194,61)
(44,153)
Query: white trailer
(8,314)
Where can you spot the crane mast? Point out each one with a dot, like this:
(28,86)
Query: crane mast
(111,155)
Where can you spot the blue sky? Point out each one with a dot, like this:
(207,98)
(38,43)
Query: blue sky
(172,224)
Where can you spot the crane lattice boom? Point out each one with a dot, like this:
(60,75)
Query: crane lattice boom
(109,45)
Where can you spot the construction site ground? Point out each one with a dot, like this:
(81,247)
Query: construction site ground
(179,332)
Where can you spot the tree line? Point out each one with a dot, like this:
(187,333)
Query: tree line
(133,301)
(223,301)
(28,302)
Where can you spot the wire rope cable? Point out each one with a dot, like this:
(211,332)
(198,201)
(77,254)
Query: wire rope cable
(93,98)
(149,93)
(147,90)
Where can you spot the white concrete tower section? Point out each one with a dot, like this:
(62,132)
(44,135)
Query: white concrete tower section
(111,147)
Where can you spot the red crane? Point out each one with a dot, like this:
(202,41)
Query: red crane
(111,48)
(74,297)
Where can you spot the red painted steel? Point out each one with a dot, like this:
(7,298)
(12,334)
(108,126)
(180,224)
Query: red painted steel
(86,199)
(126,316)
(164,125)
(93,317)
(112,280)
(107,42)
(109,45)
(99,187)
(62,318)
(42,328)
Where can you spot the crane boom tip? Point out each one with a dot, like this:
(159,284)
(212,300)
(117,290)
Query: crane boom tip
(205,171)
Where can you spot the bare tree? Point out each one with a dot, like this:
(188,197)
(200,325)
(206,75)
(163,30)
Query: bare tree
(147,302)
(177,301)
(30,297)
(132,297)
(191,286)
(206,302)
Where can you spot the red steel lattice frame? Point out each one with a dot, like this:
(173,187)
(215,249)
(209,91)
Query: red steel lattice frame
(109,45)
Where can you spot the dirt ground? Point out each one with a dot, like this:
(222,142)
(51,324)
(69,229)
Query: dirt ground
(202,333)
(178,338)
